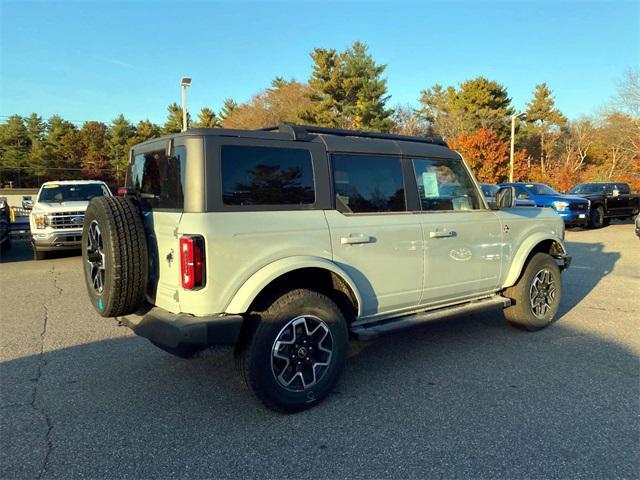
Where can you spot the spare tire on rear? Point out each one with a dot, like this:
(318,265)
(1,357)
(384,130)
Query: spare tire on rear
(114,256)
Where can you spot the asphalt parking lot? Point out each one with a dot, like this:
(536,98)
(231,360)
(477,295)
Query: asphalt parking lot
(468,398)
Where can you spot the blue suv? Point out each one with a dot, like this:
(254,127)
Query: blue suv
(573,210)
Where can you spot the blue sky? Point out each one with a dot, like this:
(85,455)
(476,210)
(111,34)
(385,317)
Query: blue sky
(95,59)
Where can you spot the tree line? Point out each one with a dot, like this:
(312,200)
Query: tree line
(348,90)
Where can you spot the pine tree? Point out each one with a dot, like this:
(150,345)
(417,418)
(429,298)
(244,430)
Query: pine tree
(206,119)
(64,149)
(365,90)
(543,115)
(96,162)
(38,154)
(347,90)
(477,103)
(119,134)
(14,149)
(228,107)
(146,130)
(174,120)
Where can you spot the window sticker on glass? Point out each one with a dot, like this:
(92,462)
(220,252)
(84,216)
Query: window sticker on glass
(430,184)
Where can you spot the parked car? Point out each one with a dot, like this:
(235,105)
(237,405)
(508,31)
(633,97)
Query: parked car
(572,209)
(5,224)
(638,225)
(489,191)
(608,200)
(27,202)
(286,242)
(58,214)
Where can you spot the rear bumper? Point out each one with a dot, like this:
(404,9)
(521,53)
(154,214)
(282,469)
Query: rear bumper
(175,332)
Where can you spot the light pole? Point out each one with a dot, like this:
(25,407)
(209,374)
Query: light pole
(517,116)
(184,82)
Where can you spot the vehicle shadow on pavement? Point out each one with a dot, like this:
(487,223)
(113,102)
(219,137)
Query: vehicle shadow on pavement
(21,252)
(590,265)
(470,397)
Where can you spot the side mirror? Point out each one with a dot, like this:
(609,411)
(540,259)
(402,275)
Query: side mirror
(505,198)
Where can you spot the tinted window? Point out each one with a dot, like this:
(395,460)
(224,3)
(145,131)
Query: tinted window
(159,179)
(444,184)
(489,190)
(541,189)
(624,188)
(521,192)
(266,176)
(367,183)
(588,188)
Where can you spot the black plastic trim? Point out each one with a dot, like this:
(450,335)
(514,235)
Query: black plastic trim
(173,330)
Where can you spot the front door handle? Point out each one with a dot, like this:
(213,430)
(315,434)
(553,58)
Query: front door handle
(442,234)
(355,239)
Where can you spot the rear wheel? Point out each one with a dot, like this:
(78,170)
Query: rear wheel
(295,352)
(536,295)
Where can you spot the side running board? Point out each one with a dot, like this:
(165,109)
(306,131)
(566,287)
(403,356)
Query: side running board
(372,330)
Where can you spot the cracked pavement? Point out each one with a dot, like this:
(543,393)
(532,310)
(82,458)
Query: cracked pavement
(81,397)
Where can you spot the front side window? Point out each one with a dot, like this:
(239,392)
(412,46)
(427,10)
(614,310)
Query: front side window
(521,192)
(587,188)
(444,184)
(266,176)
(159,179)
(368,183)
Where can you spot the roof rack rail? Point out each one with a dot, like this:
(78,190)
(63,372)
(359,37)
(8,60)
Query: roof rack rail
(301,133)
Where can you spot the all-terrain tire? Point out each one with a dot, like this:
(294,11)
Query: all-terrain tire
(122,245)
(258,343)
(597,217)
(521,313)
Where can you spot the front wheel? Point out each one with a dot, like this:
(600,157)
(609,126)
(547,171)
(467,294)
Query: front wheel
(295,352)
(536,295)
(597,217)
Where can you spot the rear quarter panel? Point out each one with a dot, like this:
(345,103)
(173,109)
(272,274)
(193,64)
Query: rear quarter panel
(238,244)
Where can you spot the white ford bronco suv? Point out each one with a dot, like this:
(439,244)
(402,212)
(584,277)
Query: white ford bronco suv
(286,241)
(58,214)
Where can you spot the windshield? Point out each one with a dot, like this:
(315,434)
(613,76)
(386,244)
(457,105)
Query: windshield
(588,188)
(72,193)
(541,189)
(489,190)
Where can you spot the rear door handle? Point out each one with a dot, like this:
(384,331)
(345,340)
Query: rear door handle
(355,239)
(442,234)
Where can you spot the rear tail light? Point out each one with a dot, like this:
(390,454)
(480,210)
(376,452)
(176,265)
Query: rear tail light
(192,262)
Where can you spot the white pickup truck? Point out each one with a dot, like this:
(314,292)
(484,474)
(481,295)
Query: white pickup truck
(58,214)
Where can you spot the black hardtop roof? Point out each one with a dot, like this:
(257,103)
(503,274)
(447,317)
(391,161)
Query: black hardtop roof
(335,140)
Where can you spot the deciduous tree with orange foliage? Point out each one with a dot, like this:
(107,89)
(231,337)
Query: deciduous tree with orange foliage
(488,156)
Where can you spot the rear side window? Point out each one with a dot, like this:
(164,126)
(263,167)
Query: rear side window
(368,183)
(159,179)
(444,184)
(266,176)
